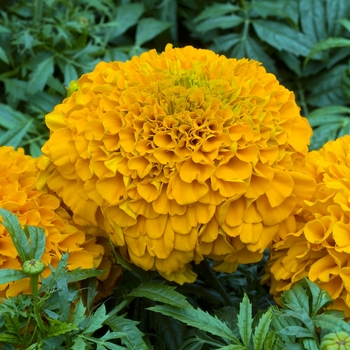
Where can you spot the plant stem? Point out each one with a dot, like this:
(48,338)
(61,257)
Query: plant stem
(34,284)
(37,314)
(212,279)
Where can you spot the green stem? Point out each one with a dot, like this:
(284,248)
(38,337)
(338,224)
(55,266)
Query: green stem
(212,279)
(34,284)
(37,314)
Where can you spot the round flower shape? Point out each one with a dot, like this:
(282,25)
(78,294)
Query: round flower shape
(19,195)
(178,156)
(316,242)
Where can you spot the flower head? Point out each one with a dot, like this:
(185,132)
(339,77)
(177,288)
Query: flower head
(178,156)
(316,242)
(19,195)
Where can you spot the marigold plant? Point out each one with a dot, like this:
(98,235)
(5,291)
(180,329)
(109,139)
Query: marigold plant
(316,242)
(19,195)
(178,156)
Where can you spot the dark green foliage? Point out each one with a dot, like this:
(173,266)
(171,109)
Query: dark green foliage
(44,45)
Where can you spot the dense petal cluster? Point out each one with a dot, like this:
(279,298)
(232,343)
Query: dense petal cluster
(18,194)
(178,156)
(315,243)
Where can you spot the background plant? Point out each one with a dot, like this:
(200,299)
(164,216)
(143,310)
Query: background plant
(46,44)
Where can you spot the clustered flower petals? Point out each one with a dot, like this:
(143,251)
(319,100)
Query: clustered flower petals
(19,195)
(315,243)
(179,156)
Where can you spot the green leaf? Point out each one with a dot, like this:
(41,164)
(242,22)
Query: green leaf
(222,22)
(280,322)
(320,298)
(10,275)
(296,298)
(282,37)
(325,89)
(233,347)
(64,296)
(335,10)
(216,10)
(40,75)
(70,73)
(133,339)
(261,330)
(3,56)
(4,29)
(198,319)
(172,332)
(345,23)
(331,322)
(327,44)
(327,114)
(312,19)
(323,134)
(291,61)
(37,242)
(10,118)
(35,149)
(8,338)
(127,16)
(57,328)
(297,331)
(310,344)
(82,274)
(149,28)
(280,8)
(303,316)
(79,313)
(13,137)
(271,339)
(245,320)
(19,239)
(159,292)
(96,320)
(225,42)
(79,343)
(90,293)
(256,52)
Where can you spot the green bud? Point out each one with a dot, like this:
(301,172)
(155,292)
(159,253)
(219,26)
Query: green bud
(73,86)
(33,267)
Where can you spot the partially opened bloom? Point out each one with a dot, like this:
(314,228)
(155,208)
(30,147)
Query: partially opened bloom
(315,243)
(19,195)
(178,156)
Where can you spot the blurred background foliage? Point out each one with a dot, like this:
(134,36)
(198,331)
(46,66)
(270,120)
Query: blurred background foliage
(46,44)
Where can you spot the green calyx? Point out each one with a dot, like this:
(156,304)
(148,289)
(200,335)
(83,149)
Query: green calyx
(33,267)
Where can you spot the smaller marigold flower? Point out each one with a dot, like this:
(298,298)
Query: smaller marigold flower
(178,156)
(315,242)
(19,195)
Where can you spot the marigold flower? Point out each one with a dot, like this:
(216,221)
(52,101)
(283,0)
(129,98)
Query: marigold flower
(315,243)
(18,194)
(178,156)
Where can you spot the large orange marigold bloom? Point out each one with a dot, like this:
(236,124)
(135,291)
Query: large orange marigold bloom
(315,243)
(18,194)
(178,156)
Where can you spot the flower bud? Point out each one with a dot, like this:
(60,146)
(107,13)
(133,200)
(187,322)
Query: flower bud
(33,267)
